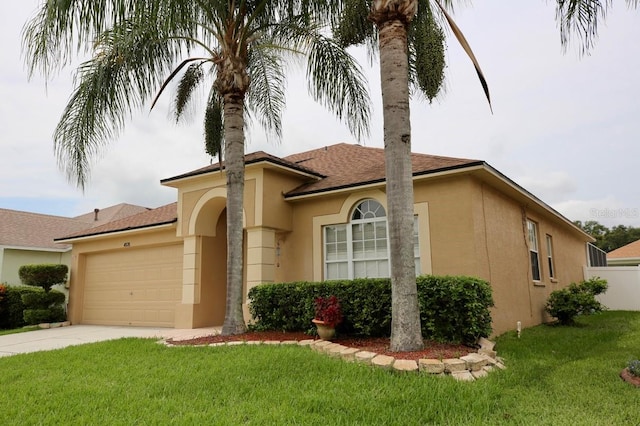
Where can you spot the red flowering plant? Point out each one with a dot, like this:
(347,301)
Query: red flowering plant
(328,310)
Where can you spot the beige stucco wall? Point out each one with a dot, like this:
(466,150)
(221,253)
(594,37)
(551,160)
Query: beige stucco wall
(13,259)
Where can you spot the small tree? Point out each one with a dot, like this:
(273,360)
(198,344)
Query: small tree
(45,275)
(46,306)
(577,299)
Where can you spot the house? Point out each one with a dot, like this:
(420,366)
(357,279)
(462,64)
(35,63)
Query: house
(27,238)
(320,215)
(628,255)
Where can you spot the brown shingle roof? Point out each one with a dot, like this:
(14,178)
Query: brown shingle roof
(109,214)
(346,165)
(161,215)
(34,230)
(631,250)
(252,158)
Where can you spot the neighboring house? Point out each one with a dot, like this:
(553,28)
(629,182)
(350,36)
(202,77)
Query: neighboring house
(628,255)
(321,215)
(27,238)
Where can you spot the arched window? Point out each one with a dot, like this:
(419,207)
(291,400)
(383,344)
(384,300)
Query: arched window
(360,248)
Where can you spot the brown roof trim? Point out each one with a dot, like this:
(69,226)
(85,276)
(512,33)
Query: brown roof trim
(113,231)
(253,158)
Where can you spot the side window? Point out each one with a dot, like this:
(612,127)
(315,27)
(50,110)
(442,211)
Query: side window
(534,255)
(552,269)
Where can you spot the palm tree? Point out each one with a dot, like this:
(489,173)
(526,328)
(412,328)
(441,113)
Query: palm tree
(410,42)
(137,46)
(582,17)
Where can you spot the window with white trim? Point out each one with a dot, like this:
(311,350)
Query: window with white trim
(360,248)
(552,270)
(534,256)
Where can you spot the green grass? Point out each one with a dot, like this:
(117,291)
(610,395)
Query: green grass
(19,330)
(555,376)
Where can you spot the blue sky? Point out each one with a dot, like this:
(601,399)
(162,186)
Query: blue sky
(565,127)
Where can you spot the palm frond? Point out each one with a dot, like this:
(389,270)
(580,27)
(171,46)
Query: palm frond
(127,67)
(190,80)
(581,17)
(266,96)
(467,48)
(336,81)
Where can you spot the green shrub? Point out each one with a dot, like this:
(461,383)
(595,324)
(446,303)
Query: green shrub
(43,307)
(453,309)
(577,299)
(634,367)
(43,275)
(12,312)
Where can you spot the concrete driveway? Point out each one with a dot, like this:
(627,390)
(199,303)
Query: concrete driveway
(61,337)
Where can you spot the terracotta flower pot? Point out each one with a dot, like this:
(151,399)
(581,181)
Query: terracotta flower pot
(325,331)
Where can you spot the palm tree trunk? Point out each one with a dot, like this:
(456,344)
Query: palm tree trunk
(394,72)
(234,166)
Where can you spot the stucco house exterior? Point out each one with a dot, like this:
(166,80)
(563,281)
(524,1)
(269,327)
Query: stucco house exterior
(319,215)
(628,255)
(27,238)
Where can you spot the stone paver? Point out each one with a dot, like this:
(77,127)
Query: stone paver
(479,374)
(474,361)
(405,365)
(365,356)
(349,354)
(336,350)
(383,361)
(453,365)
(431,366)
(319,344)
(463,376)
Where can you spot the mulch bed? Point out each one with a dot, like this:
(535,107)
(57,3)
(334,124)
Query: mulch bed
(380,345)
(630,378)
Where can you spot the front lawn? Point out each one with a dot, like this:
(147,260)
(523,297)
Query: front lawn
(555,376)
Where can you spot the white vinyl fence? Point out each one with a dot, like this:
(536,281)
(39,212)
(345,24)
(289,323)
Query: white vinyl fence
(624,286)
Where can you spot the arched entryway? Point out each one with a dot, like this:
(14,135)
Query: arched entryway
(205,267)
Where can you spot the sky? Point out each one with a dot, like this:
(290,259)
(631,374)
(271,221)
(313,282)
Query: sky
(565,126)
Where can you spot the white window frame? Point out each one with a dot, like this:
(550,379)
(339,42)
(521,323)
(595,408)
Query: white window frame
(550,260)
(363,209)
(534,250)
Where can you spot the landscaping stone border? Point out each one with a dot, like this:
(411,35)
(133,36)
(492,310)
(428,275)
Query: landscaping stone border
(54,324)
(470,367)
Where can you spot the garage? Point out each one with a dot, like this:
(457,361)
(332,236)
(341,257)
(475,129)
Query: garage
(133,286)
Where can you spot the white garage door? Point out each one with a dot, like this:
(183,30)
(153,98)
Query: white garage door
(138,287)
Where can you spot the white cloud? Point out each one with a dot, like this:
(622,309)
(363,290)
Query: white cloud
(564,127)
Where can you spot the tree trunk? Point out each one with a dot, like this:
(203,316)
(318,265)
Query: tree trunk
(392,22)
(234,167)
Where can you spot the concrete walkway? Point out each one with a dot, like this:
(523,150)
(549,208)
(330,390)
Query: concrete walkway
(61,337)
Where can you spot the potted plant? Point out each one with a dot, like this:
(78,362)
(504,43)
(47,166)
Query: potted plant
(327,316)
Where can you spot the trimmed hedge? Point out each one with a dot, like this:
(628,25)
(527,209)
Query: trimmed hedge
(43,275)
(12,308)
(452,309)
(43,306)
